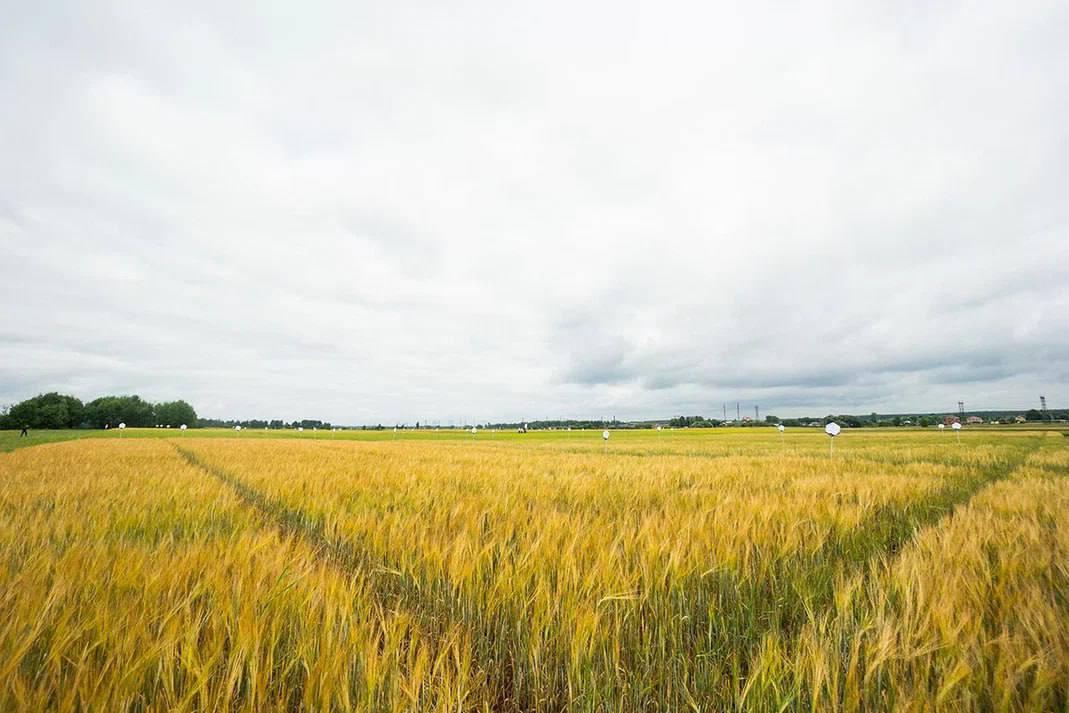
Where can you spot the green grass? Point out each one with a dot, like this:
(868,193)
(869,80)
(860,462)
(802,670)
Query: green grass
(743,439)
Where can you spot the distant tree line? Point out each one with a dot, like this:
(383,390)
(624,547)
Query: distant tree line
(845,420)
(852,421)
(565,423)
(260,423)
(922,420)
(54,410)
(694,422)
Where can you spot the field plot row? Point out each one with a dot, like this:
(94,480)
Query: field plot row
(240,574)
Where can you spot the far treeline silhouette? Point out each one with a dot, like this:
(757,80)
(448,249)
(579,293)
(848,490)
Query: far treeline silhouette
(55,410)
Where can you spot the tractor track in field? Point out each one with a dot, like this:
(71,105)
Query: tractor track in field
(926,515)
(885,535)
(433,601)
(727,615)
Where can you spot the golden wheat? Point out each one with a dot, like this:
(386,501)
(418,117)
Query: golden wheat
(663,572)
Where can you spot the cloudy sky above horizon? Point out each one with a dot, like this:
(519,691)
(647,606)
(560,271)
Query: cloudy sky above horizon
(380,212)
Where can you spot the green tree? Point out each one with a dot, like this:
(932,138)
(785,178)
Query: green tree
(113,410)
(175,413)
(51,410)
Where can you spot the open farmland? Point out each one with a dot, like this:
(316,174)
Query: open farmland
(549,572)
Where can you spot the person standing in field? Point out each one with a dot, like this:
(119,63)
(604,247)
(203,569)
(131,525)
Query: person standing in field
(25,431)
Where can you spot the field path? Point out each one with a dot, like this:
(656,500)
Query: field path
(889,530)
(872,607)
(435,604)
(725,617)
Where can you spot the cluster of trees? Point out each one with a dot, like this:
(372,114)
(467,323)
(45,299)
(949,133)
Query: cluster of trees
(845,420)
(694,422)
(1037,415)
(559,424)
(54,410)
(276,423)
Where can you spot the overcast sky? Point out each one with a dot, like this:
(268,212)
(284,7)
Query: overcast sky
(395,211)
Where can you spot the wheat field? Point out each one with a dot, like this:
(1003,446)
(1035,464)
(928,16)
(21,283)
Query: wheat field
(705,571)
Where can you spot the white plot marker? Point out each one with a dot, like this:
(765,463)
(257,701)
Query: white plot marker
(182,427)
(832,429)
(957,430)
(122,427)
(605,438)
(474,431)
(237,428)
(942,426)
(781,429)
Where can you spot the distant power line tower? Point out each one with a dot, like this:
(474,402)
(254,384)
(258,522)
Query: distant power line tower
(1043,406)
(725,411)
(755,412)
(738,413)
(961,411)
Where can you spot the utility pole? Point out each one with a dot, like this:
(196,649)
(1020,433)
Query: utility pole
(725,412)
(756,418)
(738,414)
(961,412)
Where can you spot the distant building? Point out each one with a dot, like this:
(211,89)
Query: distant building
(1019,419)
(974,419)
(951,420)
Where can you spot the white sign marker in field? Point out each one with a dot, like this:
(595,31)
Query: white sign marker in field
(957,430)
(182,427)
(832,429)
